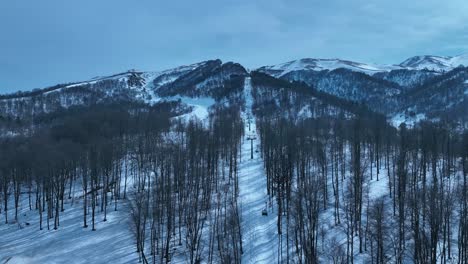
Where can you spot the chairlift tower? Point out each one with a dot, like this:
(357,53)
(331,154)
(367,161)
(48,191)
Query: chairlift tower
(249,118)
(251,137)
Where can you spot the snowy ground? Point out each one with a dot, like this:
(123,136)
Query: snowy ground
(200,106)
(112,242)
(259,234)
(400,118)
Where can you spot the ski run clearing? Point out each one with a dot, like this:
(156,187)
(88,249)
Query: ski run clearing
(259,232)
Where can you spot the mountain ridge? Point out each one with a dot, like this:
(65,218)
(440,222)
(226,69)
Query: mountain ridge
(383,88)
(426,62)
(437,64)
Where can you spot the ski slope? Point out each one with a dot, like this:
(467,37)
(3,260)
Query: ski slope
(259,236)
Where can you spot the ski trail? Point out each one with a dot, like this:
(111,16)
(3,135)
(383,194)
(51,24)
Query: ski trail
(259,236)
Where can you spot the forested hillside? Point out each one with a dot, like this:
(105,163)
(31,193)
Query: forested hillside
(211,163)
(353,188)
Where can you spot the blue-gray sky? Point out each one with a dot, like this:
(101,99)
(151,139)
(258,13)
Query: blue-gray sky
(46,42)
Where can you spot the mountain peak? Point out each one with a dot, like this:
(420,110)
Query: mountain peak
(313,64)
(435,63)
(423,62)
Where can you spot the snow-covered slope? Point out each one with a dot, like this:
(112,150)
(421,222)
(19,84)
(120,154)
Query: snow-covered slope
(205,79)
(309,64)
(435,63)
(348,84)
(443,98)
(380,87)
(407,79)
(432,63)
(383,88)
(22,242)
(260,237)
(145,83)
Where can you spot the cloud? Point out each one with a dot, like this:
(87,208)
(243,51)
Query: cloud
(52,41)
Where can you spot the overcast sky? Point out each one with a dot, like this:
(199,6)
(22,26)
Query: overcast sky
(45,42)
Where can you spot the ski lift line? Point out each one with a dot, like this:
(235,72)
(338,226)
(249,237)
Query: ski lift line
(258,222)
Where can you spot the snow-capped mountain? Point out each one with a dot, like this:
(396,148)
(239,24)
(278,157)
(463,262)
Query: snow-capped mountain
(435,63)
(407,90)
(350,80)
(349,85)
(145,83)
(209,78)
(386,89)
(309,64)
(431,63)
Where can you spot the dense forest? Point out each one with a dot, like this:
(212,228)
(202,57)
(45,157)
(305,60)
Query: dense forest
(343,185)
(323,173)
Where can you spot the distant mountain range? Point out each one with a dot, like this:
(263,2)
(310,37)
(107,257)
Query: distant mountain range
(430,63)
(421,87)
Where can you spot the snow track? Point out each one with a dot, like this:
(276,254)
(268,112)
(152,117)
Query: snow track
(259,234)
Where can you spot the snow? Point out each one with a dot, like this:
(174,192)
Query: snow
(173,74)
(200,105)
(397,120)
(433,63)
(80,84)
(170,75)
(378,188)
(459,60)
(70,243)
(400,118)
(305,112)
(70,86)
(259,234)
(326,64)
